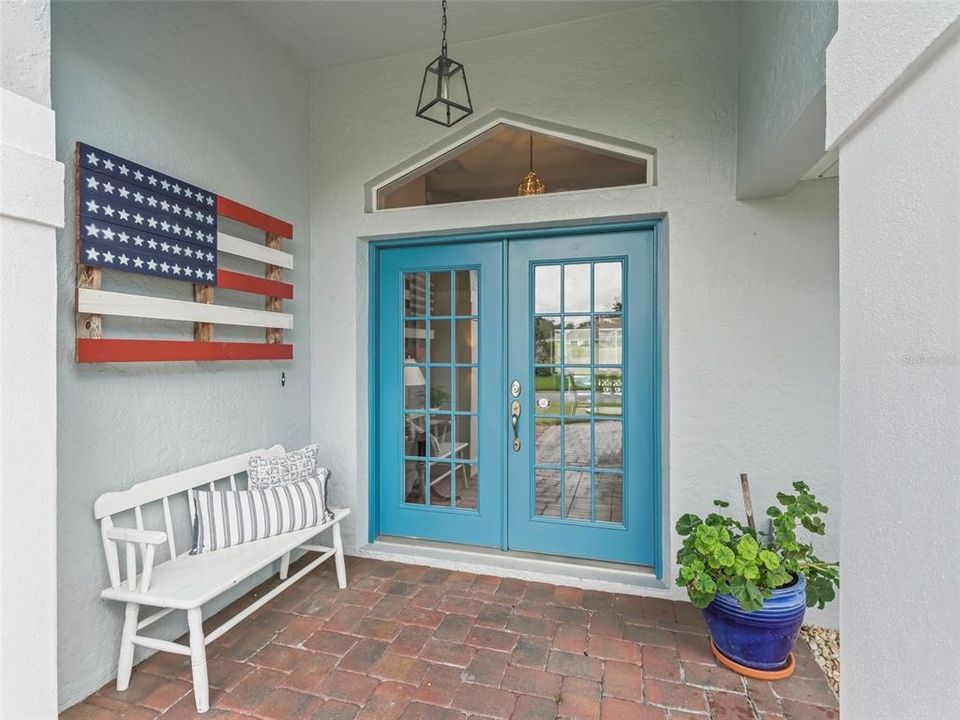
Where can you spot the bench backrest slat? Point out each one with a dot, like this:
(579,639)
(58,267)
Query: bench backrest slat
(138,515)
(168,527)
(110,551)
(152,490)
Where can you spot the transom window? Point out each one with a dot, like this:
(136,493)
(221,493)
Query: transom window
(495,162)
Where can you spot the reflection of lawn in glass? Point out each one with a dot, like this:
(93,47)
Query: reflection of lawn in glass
(576,399)
(569,408)
(581,409)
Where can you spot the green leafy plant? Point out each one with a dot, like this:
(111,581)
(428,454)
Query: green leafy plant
(722,555)
(438,397)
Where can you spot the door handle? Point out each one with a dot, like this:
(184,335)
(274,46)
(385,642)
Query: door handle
(515,421)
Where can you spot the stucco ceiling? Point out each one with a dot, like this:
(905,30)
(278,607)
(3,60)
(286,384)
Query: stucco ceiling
(327,32)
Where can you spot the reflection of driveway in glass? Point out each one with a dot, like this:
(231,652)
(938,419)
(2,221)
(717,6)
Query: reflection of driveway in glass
(608,441)
(608,444)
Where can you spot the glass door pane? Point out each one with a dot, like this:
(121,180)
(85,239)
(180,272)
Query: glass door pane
(441,378)
(439,369)
(572,434)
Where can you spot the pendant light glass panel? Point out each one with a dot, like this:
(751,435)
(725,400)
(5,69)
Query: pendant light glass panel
(444,95)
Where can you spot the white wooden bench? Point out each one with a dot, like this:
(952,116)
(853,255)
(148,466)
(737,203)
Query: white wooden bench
(184,581)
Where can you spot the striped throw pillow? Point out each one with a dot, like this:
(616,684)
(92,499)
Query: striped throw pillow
(229,517)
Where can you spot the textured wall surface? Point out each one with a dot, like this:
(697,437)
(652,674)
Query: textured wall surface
(190,89)
(782,71)
(873,50)
(752,309)
(25,48)
(900,366)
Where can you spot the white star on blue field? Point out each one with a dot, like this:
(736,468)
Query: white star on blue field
(140,220)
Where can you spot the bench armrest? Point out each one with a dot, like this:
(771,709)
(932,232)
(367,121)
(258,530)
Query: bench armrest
(149,537)
(148,540)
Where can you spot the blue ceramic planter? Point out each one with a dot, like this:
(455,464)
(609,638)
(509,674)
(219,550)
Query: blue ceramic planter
(761,639)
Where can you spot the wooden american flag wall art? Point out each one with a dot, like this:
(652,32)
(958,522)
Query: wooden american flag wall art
(131,218)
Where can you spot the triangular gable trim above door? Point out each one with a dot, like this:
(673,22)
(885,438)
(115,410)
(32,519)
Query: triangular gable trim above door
(474,132)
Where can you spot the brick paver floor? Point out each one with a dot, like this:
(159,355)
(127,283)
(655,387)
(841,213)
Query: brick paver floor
(418,643)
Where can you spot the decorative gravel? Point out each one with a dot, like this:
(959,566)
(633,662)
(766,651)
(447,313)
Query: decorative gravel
(826,651)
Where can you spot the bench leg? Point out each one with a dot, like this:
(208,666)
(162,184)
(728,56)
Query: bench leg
(338,557)
(284,566)
(198,659)
(125,664)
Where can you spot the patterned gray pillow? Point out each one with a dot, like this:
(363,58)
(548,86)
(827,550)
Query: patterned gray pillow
(296,466)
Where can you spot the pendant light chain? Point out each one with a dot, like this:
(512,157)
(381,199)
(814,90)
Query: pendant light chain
(443,28)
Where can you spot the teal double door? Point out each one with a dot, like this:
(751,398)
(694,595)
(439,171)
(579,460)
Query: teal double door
(516,394)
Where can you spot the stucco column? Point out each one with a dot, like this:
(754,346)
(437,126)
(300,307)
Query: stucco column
(893,110)
(31,208)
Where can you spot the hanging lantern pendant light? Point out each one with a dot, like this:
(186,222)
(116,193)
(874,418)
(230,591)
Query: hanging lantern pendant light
(531,183)
(444,95)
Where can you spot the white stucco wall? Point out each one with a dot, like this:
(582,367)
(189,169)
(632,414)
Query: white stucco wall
(752,285)
(25,50)
(31,184)
(191,89)
(873,52)
(782,72)
(899,145)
